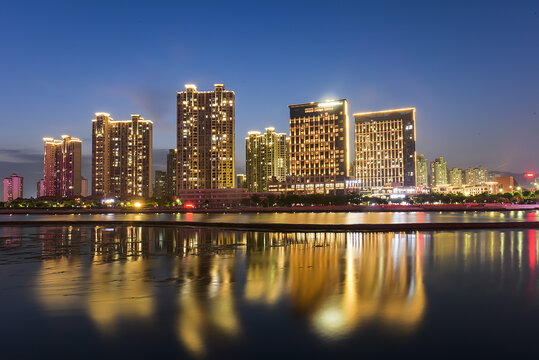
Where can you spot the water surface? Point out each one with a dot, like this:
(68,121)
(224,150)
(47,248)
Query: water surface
(144,292)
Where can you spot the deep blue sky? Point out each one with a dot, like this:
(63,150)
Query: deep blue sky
(471,69)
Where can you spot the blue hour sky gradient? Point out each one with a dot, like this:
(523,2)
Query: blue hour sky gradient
(471,68)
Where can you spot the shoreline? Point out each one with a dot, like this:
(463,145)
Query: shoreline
(283,227)
(291,209)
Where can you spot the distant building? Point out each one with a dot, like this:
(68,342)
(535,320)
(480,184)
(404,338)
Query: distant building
(506,184)
(170,181)
(160,184)
(438,172)
(62,167)
(455,177)
(385,148)
(122,156)
(422,169)
(476,176)
(319,151)
(241,181)
(267,157)
(41,188)
(205,138)
(84,187)
(13,188)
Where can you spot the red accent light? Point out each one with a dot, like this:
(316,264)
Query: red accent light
(529,175)
(189,205)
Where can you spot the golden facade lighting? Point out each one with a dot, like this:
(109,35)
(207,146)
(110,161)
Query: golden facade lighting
(385,148)
(122,156)
(267,157)
(319,151)
(205,138)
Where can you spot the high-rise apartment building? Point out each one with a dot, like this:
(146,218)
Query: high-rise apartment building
(205,138)
(319,151)
(422,169)
(476,176)
(41,188)
(385,148)
(62,167)
(84,187)
(160,184)
(122,156)
(455,177)
(267,157)
(170,180)
(13,188)
(438,172)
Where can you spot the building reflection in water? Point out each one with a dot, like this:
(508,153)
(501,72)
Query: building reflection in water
(337,283)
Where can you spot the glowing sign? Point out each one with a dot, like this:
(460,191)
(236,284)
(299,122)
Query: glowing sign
(529,175)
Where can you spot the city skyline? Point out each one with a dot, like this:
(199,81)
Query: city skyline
(461,84)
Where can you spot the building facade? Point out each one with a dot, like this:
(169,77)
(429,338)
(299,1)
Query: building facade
(455,177)
(160,184)
(438,172)
(267,157)
(476,176)
(122,156)
(170,180)
(62,167)
(422,169)
(13,188)
(319,151)
(41,188)
(241,181)
(385,148)
(205,138)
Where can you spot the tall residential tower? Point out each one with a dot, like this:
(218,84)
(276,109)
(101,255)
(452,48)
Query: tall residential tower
(205,138)
(267,157)
(62,167)
(121,156)
(13,188)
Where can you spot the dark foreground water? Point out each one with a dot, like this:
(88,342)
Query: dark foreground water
(145,293)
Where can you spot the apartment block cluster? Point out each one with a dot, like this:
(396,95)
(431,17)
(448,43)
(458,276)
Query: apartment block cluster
(470,181)
(314,157)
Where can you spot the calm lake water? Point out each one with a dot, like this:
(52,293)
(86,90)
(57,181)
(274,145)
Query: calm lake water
(143,292)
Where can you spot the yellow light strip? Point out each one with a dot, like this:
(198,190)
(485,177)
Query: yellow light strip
(384,111)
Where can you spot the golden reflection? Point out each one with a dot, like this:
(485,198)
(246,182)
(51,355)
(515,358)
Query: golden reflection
(206,279)
(207,301)
(341,281)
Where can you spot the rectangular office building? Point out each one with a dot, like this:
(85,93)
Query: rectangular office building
(319,151)
(385,148)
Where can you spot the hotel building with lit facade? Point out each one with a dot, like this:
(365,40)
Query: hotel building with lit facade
(13,188)
(267,158)
(319,151)
(121,156)
(62,167)
(385,148)
(205,138)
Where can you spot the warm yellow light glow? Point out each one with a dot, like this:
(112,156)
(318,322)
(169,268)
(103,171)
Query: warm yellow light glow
(384,111)
(137,204)
(329,103)
(191,86)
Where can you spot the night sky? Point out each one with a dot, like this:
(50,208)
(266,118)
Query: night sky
(471,70)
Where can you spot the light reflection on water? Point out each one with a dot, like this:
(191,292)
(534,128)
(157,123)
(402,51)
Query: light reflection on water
(337,286)
(299,218)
